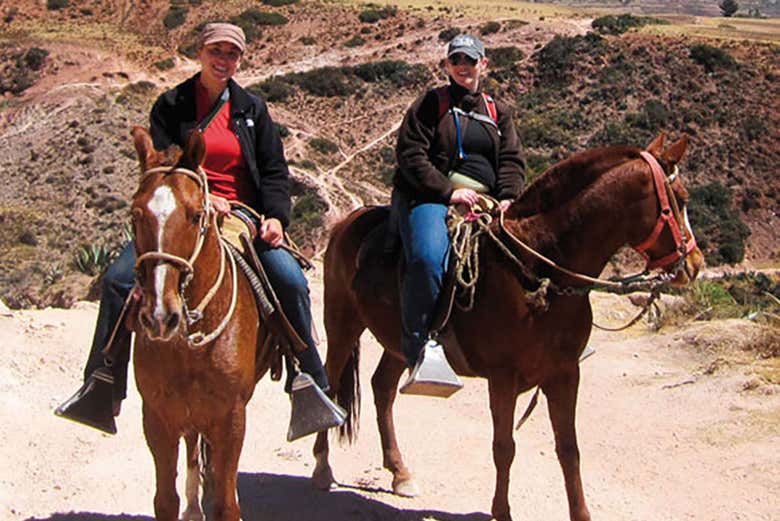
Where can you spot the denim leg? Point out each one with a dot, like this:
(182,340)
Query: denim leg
(292,290)
(426,245)
(118,280)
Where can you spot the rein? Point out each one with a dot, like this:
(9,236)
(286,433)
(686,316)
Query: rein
(207,219)
(466,231)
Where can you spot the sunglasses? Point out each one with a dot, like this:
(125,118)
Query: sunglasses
(217,53)
(462,59)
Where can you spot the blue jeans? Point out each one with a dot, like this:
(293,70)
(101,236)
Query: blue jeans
(426,245)
(284,274)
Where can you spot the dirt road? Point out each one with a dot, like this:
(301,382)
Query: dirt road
(661,439)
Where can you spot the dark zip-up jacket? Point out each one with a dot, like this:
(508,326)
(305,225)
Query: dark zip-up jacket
(173,116)
(427,148)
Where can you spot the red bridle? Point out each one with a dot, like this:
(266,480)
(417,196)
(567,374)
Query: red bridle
(684,241)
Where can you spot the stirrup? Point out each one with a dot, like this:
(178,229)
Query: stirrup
(93,403)
(432,374)
(312,410)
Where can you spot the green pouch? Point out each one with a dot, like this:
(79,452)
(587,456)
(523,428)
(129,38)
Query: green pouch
(459,180)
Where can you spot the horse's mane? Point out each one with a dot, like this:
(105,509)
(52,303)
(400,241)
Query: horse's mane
(564,180)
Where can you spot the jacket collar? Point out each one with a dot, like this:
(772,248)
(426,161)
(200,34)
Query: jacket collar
(240,101)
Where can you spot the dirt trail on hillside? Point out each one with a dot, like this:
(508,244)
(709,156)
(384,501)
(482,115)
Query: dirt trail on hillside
(660,439)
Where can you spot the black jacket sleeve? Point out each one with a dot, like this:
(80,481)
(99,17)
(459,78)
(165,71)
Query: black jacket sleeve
(510,174)
(415,143)
(275,183)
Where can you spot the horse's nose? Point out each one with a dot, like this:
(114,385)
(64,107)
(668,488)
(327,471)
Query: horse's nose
(160,325)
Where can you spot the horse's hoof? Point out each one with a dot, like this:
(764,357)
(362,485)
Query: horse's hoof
(192,514)
(323,479)
(406,488)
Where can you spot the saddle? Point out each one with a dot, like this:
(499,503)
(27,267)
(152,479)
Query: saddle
(381,246)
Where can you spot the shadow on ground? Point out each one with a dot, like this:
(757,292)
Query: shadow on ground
(275,497)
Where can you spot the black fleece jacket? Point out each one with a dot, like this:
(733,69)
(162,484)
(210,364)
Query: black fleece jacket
(173,117)
(427,148)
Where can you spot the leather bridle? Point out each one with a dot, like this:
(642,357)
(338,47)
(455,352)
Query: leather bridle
(187,266)
(670,215)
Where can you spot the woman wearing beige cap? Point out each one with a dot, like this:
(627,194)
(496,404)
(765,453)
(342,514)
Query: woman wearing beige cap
(244,162)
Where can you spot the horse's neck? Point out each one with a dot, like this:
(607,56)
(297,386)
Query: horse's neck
(583,233)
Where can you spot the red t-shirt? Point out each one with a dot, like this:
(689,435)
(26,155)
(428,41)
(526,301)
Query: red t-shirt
(224,162)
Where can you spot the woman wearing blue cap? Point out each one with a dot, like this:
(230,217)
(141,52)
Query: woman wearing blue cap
(454,143)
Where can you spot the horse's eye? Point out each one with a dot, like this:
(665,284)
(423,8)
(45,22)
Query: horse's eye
(196,217)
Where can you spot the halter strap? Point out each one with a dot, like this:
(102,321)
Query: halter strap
(669,216)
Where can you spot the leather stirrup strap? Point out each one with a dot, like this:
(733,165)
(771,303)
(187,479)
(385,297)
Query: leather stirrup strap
(277,320)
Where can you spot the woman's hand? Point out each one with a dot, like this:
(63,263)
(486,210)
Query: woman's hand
(465,196)
(220,204)
(505,204)
(271,231)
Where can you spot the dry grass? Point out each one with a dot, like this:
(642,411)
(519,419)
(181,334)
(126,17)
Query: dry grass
(722,28)
(498,9)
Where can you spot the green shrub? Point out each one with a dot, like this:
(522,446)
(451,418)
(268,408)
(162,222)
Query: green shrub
(166,64)
(448,34)
(54,5)
(490,28)
(252,19)
(307,221)
(653,116)
(279,3)
(272,89)
(504,57)
(35,57)
(398,72)
(753,127)
(324,82)
(323,145)
(720,232)
(712,58)
(621,23)
(308,40)
(175,17)
(374,14)
(536,164)
(355,41)
(556,59)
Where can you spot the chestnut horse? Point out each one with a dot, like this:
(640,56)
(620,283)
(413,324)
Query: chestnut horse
(577,214)
(198,330)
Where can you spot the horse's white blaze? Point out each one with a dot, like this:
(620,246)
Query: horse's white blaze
(161,205)
(687,222)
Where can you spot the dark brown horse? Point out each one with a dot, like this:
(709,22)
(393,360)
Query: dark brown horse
(577,214)
(196,350)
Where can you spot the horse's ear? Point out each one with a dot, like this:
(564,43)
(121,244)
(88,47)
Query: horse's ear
(674,153)
(657,146)
(143,146)
(195,150)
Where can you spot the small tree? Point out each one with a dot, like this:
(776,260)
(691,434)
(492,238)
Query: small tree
(728,7)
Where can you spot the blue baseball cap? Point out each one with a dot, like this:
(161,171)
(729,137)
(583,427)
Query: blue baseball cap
(468,45)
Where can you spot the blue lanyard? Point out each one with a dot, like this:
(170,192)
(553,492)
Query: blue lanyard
(461,153)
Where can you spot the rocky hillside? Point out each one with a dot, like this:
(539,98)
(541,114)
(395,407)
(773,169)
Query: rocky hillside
(75,77)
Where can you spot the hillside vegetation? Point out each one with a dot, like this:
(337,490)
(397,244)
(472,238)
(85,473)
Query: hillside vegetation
(76,76)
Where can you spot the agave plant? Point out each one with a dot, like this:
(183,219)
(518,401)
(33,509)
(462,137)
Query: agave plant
(92,258)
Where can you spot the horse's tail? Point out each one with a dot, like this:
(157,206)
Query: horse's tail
(348,395)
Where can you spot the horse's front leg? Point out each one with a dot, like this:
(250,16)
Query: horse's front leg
(502,386)
(561,392)
(226,441)
(164,446)
(193,511)
(385,385)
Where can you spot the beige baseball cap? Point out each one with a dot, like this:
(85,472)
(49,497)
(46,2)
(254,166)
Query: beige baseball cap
(223,32)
